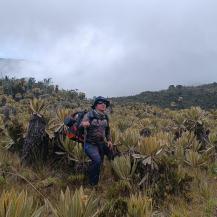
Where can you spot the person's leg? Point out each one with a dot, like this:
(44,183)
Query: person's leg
(92,152)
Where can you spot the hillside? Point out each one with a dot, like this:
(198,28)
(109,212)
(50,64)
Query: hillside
(178,96)
(164,160)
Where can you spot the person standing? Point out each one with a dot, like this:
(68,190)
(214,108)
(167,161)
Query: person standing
(97,142)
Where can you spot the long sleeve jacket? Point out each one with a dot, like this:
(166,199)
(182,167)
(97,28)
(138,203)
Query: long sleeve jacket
(99,131)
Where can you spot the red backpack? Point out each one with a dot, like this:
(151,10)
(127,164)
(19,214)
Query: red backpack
(73,131)
(72,123)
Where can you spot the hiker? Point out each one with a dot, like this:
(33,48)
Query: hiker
(97,140)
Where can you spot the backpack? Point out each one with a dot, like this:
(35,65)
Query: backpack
(73,122)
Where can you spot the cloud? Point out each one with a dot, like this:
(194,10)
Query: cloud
(112,48)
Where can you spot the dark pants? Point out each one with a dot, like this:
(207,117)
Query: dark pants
(96,154)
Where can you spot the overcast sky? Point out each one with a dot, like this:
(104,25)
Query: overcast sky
(112,47)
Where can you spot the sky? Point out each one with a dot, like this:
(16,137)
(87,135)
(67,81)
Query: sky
(112,47)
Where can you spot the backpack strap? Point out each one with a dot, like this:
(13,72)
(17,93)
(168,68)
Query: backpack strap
(92,116)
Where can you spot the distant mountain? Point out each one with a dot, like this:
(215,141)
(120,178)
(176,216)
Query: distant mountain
(178,96)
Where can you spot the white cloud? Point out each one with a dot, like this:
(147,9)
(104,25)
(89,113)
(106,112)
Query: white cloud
(112,47)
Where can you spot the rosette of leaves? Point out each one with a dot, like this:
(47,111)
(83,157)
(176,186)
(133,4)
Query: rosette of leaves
(13,204)
(188,145)
(195,114)
(150,149)
(124,167)
(178,127)
(115,134)
(76,205)
(153,145)
(188,141)
(140,206)
(123,124)
(195,159)
(57,124)
(37,106)
(52,127)
(187,150)
(74,150)
(13,135)
(143,123)
(196,120)
(129,140)
(213,142)
(213,138)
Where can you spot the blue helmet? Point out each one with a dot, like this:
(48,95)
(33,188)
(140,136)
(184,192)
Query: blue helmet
(100,99)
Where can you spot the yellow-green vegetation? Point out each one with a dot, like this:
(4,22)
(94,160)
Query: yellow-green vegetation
(123,167)
(165,164)
(13,204)
(139,206)
(76,205)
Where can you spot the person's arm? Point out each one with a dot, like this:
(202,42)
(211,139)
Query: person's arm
(85,122)
(108,136)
